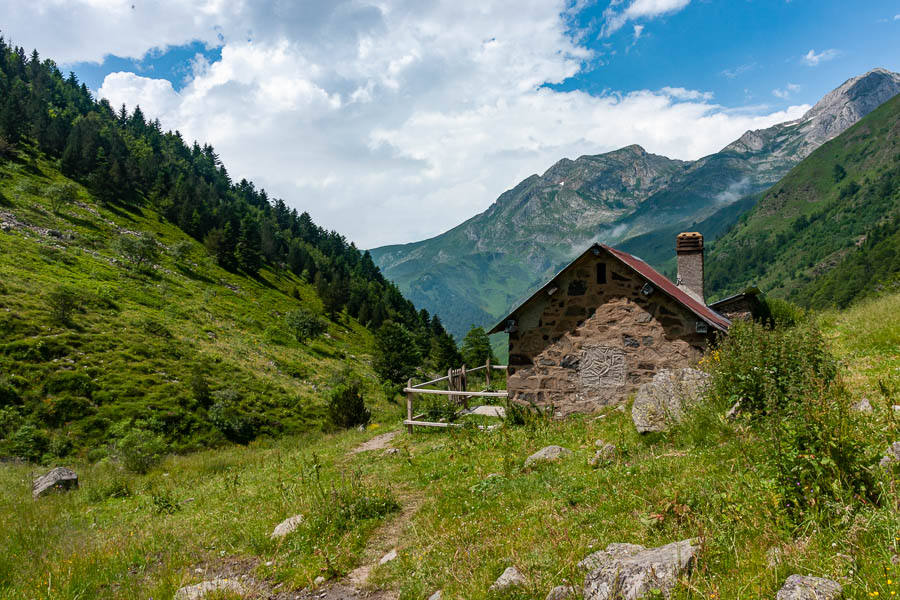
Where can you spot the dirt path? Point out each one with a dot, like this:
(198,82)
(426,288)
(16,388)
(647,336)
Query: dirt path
(379,442)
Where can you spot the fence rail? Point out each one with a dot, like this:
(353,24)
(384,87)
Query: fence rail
(457,383)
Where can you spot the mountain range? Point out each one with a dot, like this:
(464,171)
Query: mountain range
(471,274)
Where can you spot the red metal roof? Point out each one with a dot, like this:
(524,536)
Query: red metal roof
(657,279)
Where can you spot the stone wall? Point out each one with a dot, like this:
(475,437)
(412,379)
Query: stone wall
(590,344)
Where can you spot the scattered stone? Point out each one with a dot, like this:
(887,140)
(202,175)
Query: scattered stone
(59,478)
(620,408)
(605,454)
(437,595)
(863,406)
(511,577)
(485,411)
(662,401)
(200,590)
(895,408)
(734,411)
(287,526)
(319,580)
(891,455)
(800,587)
(392,451)
(388,557)
(561,592)
(630,572)
(547,454)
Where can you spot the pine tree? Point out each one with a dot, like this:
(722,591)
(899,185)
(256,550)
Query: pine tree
(247,251)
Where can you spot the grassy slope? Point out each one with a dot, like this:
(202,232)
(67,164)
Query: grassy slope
(809,221)
(471,523)
(226,325)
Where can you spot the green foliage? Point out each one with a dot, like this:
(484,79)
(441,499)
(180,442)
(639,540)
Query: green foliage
(28,442)
(396,355)
(180,251)
(61,195)
(776,311)
(231,416)
(346,406)
(476,348)
(304,325)
(62,302)
(140,449)
(765,368)
(141,251)
(114,487)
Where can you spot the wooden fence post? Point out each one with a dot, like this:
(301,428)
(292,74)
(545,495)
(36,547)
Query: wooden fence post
(409,407)
(487,372)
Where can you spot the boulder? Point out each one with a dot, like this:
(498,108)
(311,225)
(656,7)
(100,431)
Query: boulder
(561,592)
(59,478)
(801,587)
(511,577)
(891,455)
(606,453)
(663,400)
(630,572)
(547,454)
(217,585)
(287,526)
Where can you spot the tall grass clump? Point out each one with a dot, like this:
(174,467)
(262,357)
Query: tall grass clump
(790,390)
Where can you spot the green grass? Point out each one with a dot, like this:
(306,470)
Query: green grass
(138,339)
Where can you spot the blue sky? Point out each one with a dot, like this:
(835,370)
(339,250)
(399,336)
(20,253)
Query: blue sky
(393,122)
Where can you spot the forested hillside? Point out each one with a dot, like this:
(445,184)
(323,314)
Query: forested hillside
(826,234)
(147,299)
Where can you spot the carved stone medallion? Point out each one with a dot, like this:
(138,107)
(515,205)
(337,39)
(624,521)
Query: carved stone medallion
(602,367)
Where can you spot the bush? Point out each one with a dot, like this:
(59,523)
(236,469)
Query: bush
(61,195)
(8,395)
(232,419)
(304,325)
(140,450)
(775,311)
(180,251)
(62,302)
(142,251)
(765,367)
(346,406)
(28,442)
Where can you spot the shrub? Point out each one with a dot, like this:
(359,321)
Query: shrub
(140,449)
(396,356)
(72,382)
(117,487)
(61,195)
(765,367)
(775,311)
(62,302)
(232,419)
(180,251)
(28,442)
(8,394)
(304,325)
(346,406)
(141,251)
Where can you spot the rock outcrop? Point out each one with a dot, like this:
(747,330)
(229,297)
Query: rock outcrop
(891,455)
(59,478)
(511,577)
(287,526)
(801,587)
(219,585)
(662,402)
(630,572)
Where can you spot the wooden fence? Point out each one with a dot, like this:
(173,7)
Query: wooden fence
(457,388)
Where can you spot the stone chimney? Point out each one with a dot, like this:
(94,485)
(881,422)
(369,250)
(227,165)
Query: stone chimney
(689,250)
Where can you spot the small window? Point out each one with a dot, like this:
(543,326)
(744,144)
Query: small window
(601,272)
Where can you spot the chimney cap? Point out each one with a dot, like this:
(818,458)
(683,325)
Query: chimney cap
(689,241)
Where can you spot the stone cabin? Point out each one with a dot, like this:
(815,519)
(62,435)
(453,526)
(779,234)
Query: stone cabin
(604,325)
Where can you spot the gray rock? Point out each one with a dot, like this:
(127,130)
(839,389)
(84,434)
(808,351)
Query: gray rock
(437,595)
(319,580)
(392,451)
(863,406)
(388,557)
(511,577)
(734,411)
(663,400)
(629,572)
(592,561)
(561,592)
(800,587)
(59,478)
(891,455)
(606,453)
(217,585)
(547,454)
(287,526)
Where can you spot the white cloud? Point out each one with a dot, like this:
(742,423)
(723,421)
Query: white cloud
(738,70)
(811,59)
(897,17)
(786,92)
(390,123)
(638,30)
(615,19)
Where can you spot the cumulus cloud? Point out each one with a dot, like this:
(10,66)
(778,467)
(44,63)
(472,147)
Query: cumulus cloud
(811,59)
(616,17)
(786,92)
(389,123)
